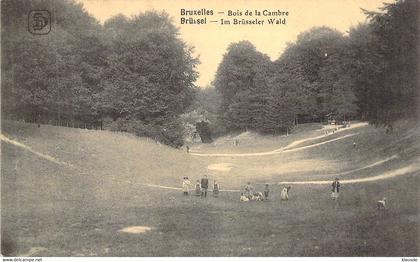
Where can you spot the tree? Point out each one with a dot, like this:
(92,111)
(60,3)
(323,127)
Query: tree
(242,81)
(316,64)
(281,112)
(133,69)
(150,72)
(385,68)
(54,76)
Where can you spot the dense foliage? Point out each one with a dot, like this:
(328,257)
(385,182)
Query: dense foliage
(136,72)
(384,63)
(242,80)
(371,73)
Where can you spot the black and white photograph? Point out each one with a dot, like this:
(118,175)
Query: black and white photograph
(190,128)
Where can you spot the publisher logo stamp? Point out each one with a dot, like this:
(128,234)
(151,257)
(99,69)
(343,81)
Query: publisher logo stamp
(39,22)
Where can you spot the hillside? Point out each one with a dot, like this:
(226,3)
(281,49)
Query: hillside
(62,188)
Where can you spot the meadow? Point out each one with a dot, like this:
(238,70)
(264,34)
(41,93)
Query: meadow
(70,192)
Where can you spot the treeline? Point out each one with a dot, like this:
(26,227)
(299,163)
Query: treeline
(370,73)
(134,73)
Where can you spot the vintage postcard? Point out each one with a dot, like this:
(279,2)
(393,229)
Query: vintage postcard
(257,128)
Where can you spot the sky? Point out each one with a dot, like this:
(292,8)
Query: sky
(211,40)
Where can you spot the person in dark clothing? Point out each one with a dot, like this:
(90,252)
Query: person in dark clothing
(335,189)
(216,189)
(204,186)
(198,188)
(266,192)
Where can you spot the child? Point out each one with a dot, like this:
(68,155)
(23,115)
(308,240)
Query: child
(243,198)
(215,189)
(249,190)
(266,191)
(257,196)
(284,195)
(198,188)
(186,186)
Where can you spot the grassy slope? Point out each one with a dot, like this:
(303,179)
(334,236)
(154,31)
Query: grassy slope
(78,211)
(250,142)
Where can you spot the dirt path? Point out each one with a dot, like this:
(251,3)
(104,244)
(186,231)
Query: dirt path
(297,142)
(180,188)
(390,174)
(290,147)
(377,163)
(279,150)
(47,157)
(412,168)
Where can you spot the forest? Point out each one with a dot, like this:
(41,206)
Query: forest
(137,74)
(368,73)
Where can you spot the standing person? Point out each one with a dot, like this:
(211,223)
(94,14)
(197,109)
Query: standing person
(204,186)
(249,190)
(197,188)
(188,149)
(266,191)
(335,189)
(186,186)
(235,143)
(215,189)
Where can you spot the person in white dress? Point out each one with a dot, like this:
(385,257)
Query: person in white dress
(186,186)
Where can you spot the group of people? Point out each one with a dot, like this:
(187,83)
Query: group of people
(250,195)
(201,187)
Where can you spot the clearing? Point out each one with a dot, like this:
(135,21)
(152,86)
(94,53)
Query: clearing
(75,192)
